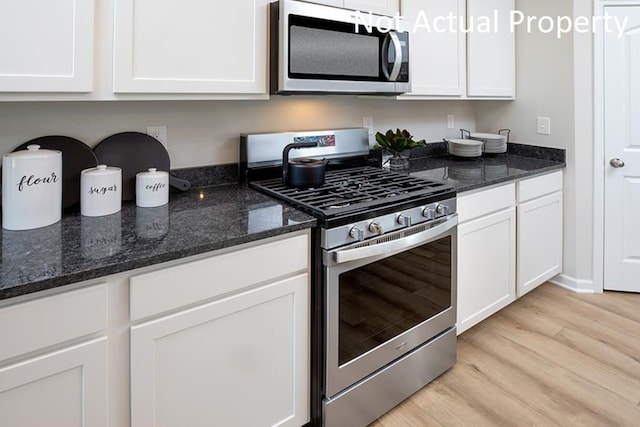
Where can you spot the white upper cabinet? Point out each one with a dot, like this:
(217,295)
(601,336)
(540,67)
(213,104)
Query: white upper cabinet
(190,46)
(491,54)
(437,57)
(47,46)
(380,7)
(459,50)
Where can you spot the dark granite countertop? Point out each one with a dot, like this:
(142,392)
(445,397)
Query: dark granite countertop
(209,218)
(81,248)
(466,174)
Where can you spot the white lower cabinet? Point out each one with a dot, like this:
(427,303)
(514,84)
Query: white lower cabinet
(486,254)
(224,340)
(240,361)
(509,242)
(219,339)
(53,360)
(61,388)
(539,230)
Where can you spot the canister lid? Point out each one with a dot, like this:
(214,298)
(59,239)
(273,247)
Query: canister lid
(33,151)
(101,170)
(152,173)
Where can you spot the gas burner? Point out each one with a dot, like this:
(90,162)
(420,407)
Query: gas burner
(348,191)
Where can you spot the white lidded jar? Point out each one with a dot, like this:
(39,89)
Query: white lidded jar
(152,188)
(31,188)
(100,191)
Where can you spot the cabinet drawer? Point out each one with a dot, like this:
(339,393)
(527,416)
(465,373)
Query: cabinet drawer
(539,186)
(474,205)
(174,287)
(52,320)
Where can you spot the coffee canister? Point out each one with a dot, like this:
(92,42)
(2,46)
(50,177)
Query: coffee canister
(100,191)
(31,188)
(152,188)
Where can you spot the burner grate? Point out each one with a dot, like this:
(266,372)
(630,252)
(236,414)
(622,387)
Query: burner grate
(353,190)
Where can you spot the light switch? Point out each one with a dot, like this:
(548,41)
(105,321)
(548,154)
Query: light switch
(544,126)
(451,121)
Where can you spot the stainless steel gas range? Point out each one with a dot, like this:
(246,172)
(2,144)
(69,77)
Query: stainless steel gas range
(384,273)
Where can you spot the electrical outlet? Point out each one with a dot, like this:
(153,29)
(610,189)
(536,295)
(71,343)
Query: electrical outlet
(543,126)
(367,122)
(451,121)
(159,133)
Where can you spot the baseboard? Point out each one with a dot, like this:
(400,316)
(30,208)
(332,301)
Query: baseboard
(580,286)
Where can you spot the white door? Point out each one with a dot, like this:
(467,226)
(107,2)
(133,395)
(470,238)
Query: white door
(622,153)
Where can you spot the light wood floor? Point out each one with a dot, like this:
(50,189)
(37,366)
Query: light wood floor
(551,358)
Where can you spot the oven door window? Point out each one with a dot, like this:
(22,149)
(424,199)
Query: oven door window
(383,299)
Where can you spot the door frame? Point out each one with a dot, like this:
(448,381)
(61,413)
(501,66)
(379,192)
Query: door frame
(599,160)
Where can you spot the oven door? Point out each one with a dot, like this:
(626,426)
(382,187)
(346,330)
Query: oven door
(386,297)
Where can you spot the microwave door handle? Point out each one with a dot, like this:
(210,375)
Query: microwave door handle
(392,40)
(346,255)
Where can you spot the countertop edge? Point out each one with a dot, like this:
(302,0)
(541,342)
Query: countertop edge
(86,275)
(524,175)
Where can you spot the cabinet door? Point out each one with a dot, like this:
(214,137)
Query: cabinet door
(47,46)
(336,3)
(239,361)
(64,388)
(539,241)
(486,266)
(190,46)
(490,53)
(437,58)
(381,7)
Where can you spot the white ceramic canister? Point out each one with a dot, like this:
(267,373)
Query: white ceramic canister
(152,188)
(31,188)
(100,191)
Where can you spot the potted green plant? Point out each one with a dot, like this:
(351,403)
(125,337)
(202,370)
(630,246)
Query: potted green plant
(396,142)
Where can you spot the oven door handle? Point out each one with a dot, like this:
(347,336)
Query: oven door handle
(388,248)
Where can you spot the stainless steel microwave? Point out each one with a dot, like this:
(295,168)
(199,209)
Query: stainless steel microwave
(322,49)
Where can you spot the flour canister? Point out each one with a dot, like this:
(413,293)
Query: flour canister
(31,188)
(152,188)
(100,191)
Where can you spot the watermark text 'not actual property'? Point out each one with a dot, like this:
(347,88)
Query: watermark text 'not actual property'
(558,25)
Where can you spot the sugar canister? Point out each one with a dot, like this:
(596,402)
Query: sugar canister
(152,188)
(31,188)
(100,191)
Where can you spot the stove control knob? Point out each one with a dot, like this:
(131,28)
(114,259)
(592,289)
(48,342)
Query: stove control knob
(442,210)
(429,213)
(356,233)
(404,220)
(375,228)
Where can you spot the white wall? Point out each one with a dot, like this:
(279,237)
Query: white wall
(554,80)
(207,132)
